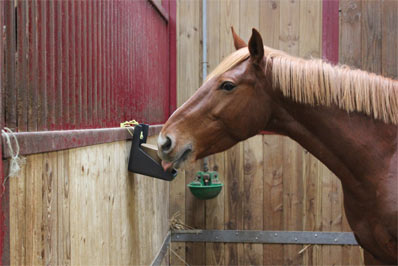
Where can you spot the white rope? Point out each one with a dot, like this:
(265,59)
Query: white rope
(16,161)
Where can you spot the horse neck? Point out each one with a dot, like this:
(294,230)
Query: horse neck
(353,146)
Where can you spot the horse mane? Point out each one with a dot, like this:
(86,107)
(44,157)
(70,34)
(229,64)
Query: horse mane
(316,82)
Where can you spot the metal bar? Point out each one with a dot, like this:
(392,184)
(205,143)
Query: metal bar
(160,9)
(163,250)
(48,141)
(330,30)
(267,237)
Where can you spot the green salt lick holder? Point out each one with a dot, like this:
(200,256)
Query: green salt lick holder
(206,185)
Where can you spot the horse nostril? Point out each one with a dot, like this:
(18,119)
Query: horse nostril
(167,145)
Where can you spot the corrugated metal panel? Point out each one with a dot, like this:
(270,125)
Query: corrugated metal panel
(85,64)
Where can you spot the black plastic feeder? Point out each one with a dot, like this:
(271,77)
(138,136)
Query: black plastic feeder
(142,163)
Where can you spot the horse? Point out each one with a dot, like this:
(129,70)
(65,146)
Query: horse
(345,117)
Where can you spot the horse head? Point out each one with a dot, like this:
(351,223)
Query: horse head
(232,105)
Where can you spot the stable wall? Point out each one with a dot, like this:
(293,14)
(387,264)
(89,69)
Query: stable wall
(271,182)
(82,207)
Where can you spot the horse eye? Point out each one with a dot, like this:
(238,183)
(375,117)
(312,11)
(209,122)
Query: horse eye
(227,85)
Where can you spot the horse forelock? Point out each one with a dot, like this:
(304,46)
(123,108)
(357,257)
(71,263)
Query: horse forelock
(316,82)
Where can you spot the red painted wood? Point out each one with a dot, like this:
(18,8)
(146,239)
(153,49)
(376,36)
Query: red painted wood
(173,55)
(89,64)
(330,30)
(4,207)
(56,140)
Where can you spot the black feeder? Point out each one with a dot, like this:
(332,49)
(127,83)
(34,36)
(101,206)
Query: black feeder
(140,162)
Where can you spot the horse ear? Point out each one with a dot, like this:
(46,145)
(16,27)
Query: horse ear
(238,42)
(256,47)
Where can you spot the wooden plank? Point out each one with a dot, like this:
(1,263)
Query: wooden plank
(49,210)
(50,64)
(22,65)
(292,165)
(336,252)
(310,44)
(18,221)
(59,65)
(350,40)
(64,241)
(269,22)
(273,195)
(194,217)
(35,248)
(215,212)
(33,72)
(289,26)
(292,197)
(389,41)
(215,207)
(233,213)
(233,210)
(252,155)
(327,219)
(371,36)
(10,71)
(253,198)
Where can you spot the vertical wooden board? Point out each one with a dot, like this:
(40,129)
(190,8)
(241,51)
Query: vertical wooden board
(50,205)
(311,203)
(253,198)
(310,47)
(59,65)
(194,216)
(269,22)
(292,197)
(35,244)
(350,32)
(371,36)
(188,49)
(63,176)
(249,16)
(215,207)
(310,29)
(273,195)
(229,14)
(351,255)
(22,64)
(18,223)
(10,64)
(74,199)
(292,173)
(33,67)
(337,216)
(233,210)
(177,205)
(327,219)
(289,26)
(215,212)
(389,41)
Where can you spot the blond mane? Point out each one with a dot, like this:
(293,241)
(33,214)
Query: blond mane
(316,82)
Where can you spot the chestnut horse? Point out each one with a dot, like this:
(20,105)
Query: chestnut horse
(346,118)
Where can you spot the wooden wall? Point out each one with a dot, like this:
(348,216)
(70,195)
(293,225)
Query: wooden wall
(271,182)
(82,207)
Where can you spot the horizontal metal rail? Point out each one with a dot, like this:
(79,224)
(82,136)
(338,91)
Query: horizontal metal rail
(48,141)
(265,237)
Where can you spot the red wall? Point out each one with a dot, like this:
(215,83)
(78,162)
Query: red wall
(86,64)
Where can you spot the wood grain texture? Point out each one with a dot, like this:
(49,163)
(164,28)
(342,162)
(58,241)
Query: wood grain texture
(273,195)
(215,207)
(82,207)
(253,198)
